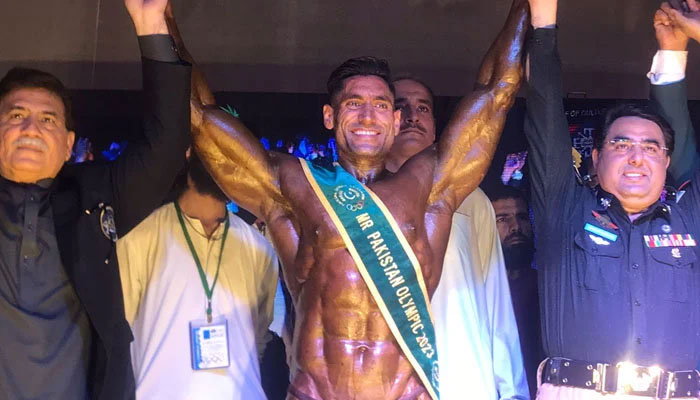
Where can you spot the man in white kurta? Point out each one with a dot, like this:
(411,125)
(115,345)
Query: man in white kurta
(476,332)
(163,292)
(477,335)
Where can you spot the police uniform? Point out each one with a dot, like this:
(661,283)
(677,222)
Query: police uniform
(612,290)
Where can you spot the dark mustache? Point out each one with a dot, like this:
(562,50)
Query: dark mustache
(517,235)
(412,125)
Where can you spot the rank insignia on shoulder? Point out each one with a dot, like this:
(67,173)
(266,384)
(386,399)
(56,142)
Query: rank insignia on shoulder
(671,240)
(679,195)
(599,240)
(600,232)
(604,221)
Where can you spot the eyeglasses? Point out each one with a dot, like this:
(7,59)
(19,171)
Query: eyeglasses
(650,149)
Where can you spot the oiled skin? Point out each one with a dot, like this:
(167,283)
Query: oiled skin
(343,348)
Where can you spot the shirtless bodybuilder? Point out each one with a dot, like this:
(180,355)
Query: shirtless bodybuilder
(342,347)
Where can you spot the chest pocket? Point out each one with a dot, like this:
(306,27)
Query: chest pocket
(602,267)
(671,272)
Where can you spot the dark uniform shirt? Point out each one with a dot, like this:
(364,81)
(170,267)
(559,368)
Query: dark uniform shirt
(611,290)
(45,332)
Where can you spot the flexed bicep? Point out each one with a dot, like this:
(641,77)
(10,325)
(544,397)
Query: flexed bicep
(230,152)
(468,143)
(239,164)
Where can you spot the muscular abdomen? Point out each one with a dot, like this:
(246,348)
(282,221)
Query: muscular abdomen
(344,348)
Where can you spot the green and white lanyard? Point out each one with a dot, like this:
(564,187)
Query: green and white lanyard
(207,290)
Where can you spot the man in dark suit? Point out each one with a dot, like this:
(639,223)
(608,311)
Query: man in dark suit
(63,331)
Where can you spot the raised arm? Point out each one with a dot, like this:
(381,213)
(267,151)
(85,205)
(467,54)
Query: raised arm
(552,181)
(669,93)
(200,92)
(689,22)
(467,145)
(230,152)
(141,177)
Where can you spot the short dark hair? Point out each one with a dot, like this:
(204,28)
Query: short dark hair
(502,192)
(27,78)
(629,110)
(202,180)
(360,66)
(409,77)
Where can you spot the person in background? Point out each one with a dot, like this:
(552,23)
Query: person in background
(82,151)
(192,263)
(515,233)
(474,321)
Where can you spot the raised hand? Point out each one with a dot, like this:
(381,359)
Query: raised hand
(669,35)
(688,23)
(148,16)
(543,12)
(83,150)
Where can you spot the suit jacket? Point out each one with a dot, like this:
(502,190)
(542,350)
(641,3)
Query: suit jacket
(132,186)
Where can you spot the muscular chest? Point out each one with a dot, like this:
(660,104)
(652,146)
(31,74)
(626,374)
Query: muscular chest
(320,230)
(322,236)
(320,245)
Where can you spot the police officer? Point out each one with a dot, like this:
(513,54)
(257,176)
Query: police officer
(620,270)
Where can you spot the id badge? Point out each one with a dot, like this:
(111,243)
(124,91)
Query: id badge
(209,344)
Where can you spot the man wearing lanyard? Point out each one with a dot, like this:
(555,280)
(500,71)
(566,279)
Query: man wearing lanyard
(620,277)
(199,285)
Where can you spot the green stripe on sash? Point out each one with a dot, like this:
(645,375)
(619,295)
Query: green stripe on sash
(386,262)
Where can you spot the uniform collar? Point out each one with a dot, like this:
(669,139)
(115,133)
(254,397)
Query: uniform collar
(606,202)
(18,191)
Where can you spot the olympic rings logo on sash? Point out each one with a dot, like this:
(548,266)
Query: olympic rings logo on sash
(350,197)
(436,374)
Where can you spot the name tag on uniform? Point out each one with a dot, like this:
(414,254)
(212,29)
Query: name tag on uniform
(671,240)
(209,344)
(600,232)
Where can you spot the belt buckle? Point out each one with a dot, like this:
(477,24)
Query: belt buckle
(636,380)
(599,376)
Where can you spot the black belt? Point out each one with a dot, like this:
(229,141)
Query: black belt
(623,378)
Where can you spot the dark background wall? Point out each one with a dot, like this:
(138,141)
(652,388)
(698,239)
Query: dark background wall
(109,115)
(291,45)
(269,59)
